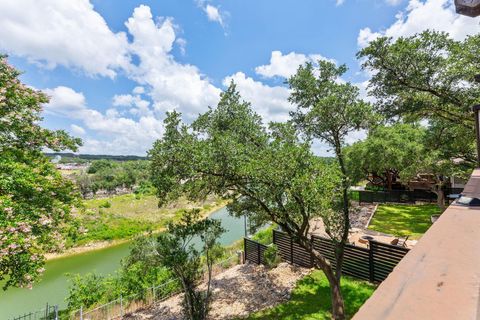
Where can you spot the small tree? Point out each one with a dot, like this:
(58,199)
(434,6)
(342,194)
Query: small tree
(271,175)
(176,251)
(35,200)
(329,109)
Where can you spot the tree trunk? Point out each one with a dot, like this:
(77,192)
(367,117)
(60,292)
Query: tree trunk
(338,306)
(389,175)
(440,199)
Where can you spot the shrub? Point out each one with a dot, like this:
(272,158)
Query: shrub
(105,204)
(271,257)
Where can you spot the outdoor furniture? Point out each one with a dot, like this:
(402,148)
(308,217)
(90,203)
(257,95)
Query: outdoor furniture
(400,242)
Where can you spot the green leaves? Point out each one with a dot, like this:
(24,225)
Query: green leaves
(35,201)
(267,173)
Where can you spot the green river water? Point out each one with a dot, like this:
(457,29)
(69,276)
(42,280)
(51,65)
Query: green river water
(53,287)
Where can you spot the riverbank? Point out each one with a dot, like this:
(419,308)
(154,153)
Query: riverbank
(102,244)
(54,285)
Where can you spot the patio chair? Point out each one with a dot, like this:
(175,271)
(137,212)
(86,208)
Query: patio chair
(400,242)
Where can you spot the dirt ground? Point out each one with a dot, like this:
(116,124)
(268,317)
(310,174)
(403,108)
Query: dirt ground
(237,292)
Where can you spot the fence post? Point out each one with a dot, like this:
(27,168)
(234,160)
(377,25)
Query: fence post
(371,268)
(291,249)
(81,312)
(245,249)
(56,311)
(311,253)
(258,253)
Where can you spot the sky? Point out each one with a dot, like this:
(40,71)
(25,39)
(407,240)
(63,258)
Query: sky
(113,68)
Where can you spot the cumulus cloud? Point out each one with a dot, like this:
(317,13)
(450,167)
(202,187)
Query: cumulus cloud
(421,15)
(270,102)
(120,135)
(286,65)
(172,85)
(57,32)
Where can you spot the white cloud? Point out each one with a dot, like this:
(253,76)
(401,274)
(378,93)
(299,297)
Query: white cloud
(270,102)
(138,90)
(286,65)
(213,13)
(171,85)
(57,32)
(120,135)
(77,130)
(422,15)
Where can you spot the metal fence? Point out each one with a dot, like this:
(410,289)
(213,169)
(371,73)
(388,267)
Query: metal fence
(49,313)
(373,264)
(403,196)
(125,305)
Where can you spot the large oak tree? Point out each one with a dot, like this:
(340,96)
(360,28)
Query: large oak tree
(266,172)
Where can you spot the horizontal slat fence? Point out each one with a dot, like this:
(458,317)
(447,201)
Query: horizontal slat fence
(254,251)
(373,264)
(403,196)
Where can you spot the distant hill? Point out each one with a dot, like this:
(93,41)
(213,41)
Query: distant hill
(89,157)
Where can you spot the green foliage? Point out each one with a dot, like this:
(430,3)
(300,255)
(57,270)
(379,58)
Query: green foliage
(85,291)
(265,236)
(105,204)
(137,274)
(271,256)
(174,250)
(403,220)
(109,175)
(311,299)
(35,201)
(328,109)
(437,84)
(269,173)
(387,148)
(406,150)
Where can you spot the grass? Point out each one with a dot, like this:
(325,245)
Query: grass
(311,299)
(124,216)
(403,220)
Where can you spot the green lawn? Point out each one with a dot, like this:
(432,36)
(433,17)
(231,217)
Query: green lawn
(311,299)
(403,220)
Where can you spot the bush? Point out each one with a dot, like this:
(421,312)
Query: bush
(105,204)
(265,236)
(271,257)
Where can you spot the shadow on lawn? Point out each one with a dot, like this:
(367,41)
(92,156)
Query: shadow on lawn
(311,299)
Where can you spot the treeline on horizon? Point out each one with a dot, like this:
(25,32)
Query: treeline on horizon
(75,157)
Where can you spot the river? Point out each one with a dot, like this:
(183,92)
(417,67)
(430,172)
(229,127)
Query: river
(53,287)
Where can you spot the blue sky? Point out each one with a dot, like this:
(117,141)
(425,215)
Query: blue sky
(112,68)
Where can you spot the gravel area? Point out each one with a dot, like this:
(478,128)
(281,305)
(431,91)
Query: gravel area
(237,292)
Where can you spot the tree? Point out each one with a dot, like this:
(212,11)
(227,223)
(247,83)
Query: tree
(267,173)
(329,109)
(428,76)
(35,201)
(385,152)
(405,148)
(176,251)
